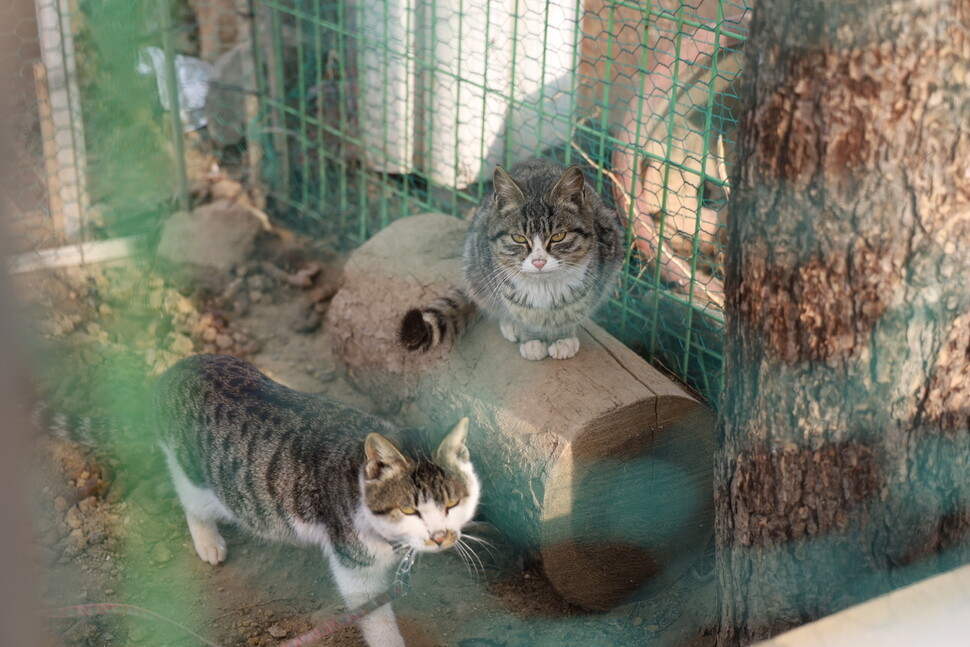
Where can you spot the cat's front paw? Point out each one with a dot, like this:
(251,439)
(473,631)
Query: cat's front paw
(508,331)
(209,544)
(564,348)
(533,350)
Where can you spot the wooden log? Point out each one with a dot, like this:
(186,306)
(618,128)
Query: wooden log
(598,465)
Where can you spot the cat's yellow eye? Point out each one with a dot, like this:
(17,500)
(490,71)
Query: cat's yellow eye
(451,504)
(557,238)
(519,239)
(406,509)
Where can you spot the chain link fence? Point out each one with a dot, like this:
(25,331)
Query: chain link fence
(341,117)
(373,111)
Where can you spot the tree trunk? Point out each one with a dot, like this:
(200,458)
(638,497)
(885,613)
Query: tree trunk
(843,450)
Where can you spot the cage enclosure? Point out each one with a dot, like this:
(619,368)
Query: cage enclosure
(216,132)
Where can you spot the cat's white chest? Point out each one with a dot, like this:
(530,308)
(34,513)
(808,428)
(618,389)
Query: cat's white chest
(547,292)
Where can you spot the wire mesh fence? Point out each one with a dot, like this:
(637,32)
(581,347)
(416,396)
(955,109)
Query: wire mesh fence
(339,118)
(347,116)
(93,157)
(373,111)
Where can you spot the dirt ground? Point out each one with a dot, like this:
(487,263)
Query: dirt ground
(109,529)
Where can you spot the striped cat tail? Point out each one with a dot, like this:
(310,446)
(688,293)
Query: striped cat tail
(87,430)
(440,322)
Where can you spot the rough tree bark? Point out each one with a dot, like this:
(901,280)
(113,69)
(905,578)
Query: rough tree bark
(843,467)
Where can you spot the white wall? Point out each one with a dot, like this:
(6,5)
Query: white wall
(464,82)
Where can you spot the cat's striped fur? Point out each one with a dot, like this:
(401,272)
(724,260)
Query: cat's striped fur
(70,426)
(539,256)
(440,322)
(304,468)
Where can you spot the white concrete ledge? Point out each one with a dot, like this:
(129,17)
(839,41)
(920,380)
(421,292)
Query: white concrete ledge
(82,254)
(931,613)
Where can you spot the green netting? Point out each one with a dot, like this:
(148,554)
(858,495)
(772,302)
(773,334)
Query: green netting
(376,110)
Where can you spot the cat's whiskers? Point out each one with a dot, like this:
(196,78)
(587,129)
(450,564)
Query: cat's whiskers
(404,568)
(489,547)
(460,550)
(472,562)
(494,281)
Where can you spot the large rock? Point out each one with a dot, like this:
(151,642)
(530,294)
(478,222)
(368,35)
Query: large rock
(598,465)
(217,236)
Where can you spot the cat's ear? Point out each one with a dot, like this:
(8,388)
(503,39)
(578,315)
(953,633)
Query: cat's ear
(383,458)
(570,189)
(452,448)
(507,192)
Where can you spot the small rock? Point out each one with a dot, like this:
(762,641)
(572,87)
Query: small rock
(327,376)
(209,335)
(182,345)
(73,518)
(219,234)
(155,300)
(183,305)
(76,542)
(60,504)
(161,553)
(277,631)
(224,342)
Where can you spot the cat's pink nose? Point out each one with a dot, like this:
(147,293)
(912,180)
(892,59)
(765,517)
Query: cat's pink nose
(539,262)
(439,537)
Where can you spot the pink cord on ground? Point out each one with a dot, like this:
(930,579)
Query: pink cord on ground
(347,619)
